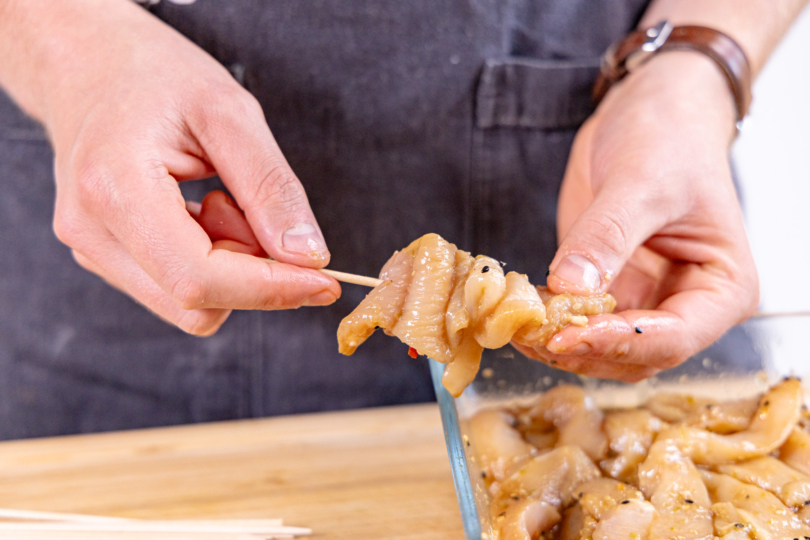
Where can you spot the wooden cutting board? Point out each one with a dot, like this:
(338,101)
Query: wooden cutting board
(375,473)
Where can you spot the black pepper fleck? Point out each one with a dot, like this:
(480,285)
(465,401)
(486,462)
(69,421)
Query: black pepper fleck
(468,443)
(483,474)
(502,514)
(739,525)
(485,269)
(638,330)
(806,503)
(552,362)
(625,502)
(515,498)
(709,405)
(579,496)
(767,403)
(689,501)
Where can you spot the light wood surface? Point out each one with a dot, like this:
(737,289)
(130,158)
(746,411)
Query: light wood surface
(376,473)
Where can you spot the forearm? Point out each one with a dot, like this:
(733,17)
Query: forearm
(51,49)
(757,25)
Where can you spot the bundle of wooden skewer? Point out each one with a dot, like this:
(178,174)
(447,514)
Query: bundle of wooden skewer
(34,525)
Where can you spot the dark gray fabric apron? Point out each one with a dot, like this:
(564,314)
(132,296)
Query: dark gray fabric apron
(400,118)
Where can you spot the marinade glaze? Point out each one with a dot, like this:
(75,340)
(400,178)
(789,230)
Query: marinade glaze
(448,305)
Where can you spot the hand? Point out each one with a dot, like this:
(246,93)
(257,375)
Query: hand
(133,108)
(648,212)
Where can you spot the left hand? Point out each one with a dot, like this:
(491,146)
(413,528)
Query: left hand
(648,212)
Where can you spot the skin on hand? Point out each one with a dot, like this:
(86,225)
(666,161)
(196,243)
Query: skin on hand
(648,212)
(131,118)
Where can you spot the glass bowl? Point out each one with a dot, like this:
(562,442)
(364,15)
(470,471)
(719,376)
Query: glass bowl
(744,362)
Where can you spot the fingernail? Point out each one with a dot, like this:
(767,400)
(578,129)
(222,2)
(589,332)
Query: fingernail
(194,208)
(579,271)
(576,350)
(323,298)
(306,240)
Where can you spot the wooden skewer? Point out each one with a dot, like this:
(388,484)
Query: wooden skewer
(770,314)
(148,526)
(34,515)
(348,278)
(352,278)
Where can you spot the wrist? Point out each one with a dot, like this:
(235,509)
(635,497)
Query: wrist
(682,84)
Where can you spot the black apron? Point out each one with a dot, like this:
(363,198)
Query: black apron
(400,118)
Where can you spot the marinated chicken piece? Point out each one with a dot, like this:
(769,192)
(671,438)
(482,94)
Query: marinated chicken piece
(796,451)
(631,518)
(771,425)
(770,474)
(457,317)
(520,307)
(382,307)
(575,417)
(730,523)
(525,519)
(765,514)
(498,446)
(462,370)
(575,525)
(597,499)
(551,478)
(485,287)
(422,324)
(562,310)
(673,485)
(448,306)
(541,441)
(630,434)
(600,495)
(719,417)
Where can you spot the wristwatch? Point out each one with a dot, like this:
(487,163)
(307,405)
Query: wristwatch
(638,47)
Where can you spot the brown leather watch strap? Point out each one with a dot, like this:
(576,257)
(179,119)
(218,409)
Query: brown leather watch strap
(637,47)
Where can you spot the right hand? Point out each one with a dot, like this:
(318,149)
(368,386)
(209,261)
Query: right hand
(133,107)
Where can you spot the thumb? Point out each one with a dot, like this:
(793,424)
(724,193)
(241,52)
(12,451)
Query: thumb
(238,142)
(601,240)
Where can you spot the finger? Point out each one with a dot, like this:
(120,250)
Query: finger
(124,274)
(604,237)
(148,217)
(583,366)
(684,324)
(226,226)
(238,143)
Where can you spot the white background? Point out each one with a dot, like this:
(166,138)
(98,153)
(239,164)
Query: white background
(772,156)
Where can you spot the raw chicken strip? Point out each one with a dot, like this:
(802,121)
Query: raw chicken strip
(422,324)
(551,479)
(770,474)
(796,451)
(382,307)
(499,447)
(765,515)
(574,415)
(449,306)
(772,423)
(673,485)
(630,434)
(726,417)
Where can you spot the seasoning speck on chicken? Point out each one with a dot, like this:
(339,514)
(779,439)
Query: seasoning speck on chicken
(448,305)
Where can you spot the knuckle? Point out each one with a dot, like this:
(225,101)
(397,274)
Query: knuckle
(66,227)
(278,187)
(93,184)
(608,232)
(189,291)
